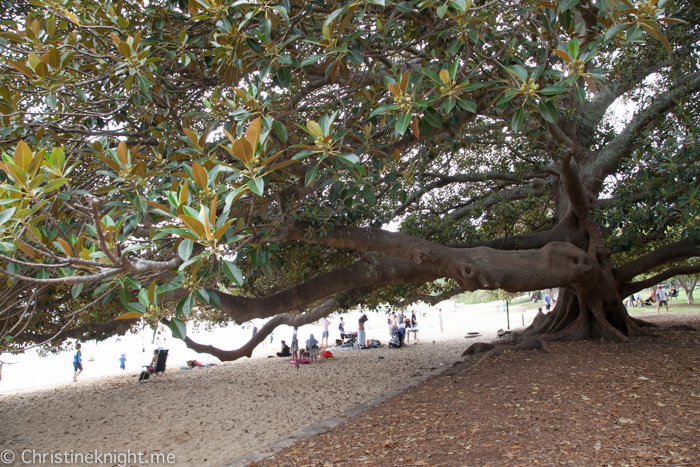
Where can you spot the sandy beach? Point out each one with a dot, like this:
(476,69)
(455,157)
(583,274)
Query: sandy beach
(211,416)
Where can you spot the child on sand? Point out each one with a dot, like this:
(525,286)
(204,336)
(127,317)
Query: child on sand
(77,363)
(122,362)
(295,345)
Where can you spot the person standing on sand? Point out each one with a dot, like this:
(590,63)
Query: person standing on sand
(295,345)
(440,318)
(662,298)
(341,328)
(361,330)
(324,322)
(122,362)
(77,363)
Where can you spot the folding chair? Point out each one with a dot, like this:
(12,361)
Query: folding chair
(159,368)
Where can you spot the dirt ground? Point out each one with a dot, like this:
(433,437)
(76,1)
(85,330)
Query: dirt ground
(582,404)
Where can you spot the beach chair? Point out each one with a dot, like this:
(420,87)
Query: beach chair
(159,369)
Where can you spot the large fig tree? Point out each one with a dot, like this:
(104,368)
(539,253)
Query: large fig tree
(209,161)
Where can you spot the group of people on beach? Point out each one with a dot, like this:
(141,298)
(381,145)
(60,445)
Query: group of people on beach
(309,352)
(405,325)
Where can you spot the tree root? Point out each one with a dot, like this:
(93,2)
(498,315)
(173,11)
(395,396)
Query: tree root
(491,350)
(643,324)
(478,347)
(682,327)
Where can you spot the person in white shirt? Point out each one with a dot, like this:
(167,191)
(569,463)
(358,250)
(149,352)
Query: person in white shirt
(661,298)
(324,328)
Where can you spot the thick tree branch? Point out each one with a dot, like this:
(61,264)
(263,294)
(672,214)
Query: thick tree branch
(537,188)
(605,163)
(476,268)
(383,271)
(429,299)
(682,249)
(634,287)
(445,180)
(82,333)
(531,241)
(593,112)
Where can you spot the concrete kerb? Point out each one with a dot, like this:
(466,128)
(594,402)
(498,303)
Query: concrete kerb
(328,424)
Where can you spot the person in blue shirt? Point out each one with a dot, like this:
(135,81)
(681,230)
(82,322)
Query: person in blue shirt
(122,362)
(77,363)
(547,302)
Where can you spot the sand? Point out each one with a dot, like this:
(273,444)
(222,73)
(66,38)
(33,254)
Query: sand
(212,416)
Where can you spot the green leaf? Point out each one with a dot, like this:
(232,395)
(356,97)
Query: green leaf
(382,109)
(520,72)
(6,215)
(144,82)
(284,76)
(548,111)
(311,174)
(303,154)
(178,328)
(460,5)
(256,185)
(518,119)
(448,105)
(565,5)
(334,15)
(441,10)
(405,7)
(233,273)
(184,250)
(349,158)
(355,56)
(280,130)
(185,306)
(580,93)
(402,122)
(209,296)
(467,104)
(613,31)
(454,66)
(143,297)
(553,90)
(432,75)
(368,195)
(76,290)
(573,47)
(54,184)
(433,117)
(311,59)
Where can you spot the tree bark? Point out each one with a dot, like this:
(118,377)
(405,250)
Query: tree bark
(688,283)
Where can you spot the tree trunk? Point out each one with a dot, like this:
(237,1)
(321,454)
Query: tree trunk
(688,284)
(587,311)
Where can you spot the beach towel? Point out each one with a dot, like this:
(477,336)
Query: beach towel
(295,361)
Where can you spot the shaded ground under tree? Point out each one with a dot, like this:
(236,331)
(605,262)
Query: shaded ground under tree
(584,404)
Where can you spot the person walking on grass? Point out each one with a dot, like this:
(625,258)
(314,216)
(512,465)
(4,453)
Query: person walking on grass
(77,362)
(661,298)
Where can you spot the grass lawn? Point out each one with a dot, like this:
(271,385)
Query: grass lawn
(676,305)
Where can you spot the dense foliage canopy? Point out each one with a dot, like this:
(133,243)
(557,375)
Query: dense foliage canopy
(212,160)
